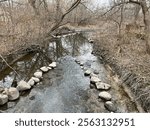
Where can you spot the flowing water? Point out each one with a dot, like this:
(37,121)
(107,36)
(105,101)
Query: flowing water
(64,89)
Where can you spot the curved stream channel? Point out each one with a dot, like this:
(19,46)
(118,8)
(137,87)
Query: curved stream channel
(65,88)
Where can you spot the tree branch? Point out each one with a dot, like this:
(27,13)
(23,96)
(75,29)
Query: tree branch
(74,5)
(9,65)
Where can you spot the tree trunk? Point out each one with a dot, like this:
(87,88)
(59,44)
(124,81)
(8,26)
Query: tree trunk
(136,13)
(147,24)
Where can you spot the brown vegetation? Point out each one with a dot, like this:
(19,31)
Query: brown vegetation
(28,22)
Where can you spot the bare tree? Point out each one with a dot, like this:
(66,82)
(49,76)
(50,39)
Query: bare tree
(33,5)
(145,11)
(57,24)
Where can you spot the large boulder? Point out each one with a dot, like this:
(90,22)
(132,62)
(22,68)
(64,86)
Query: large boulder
(44,69)
(36,80)
(3,99)
(38,74)
(52,65)
(105,95)
(31,82)
(13,93)
(102,86)
(22,85)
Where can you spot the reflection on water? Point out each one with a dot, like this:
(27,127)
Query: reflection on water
(28,64)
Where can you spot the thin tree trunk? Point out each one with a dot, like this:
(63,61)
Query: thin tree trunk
(147,24)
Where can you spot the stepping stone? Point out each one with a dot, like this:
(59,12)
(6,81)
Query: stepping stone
(38,74)
(102,86)
(105,95)
(44,69)
(31,82)
(81,63)
(22,85)
(110,106)
(13,93)
(49,68)
(87,72)
(95,79)
(52,65)
(36,80)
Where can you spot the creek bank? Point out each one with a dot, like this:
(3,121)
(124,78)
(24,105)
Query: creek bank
(129,80)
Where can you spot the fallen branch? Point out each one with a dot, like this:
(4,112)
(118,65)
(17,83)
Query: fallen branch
(74,5)
(9,65)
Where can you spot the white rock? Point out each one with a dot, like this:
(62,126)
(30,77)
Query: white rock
(102,86)
(36,80)
(93,75)
(49,68)
(31,82)
(110,106)
(22,85)
(87,72)
(95,79)
(105,95)
(53,65)
(13,93)
(3,99)
(44,69)
(38,74)
(81,63)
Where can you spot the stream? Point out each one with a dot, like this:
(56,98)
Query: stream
(64,89)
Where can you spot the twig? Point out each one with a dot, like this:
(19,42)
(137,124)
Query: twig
(9,65)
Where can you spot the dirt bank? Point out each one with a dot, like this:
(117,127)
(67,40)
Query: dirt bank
(131,65)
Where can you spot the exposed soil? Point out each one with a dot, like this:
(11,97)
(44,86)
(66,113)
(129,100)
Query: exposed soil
(128,59)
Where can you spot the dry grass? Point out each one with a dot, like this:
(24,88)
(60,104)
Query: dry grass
(128,49)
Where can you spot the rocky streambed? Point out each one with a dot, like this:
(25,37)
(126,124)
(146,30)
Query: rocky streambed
(78,83)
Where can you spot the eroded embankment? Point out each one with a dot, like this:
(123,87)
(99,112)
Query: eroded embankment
(137,85)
